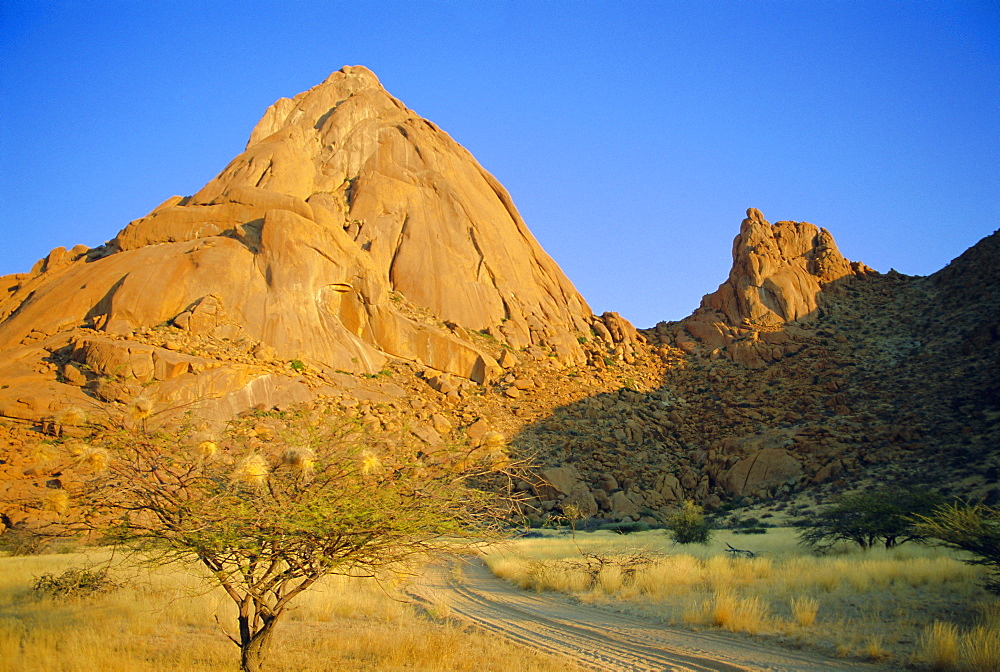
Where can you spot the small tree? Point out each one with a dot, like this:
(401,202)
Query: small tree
(968,527)
(268,519)
(688,525)
(882,515)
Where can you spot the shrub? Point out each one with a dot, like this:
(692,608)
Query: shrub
(688,525)
(625,527)
(75,582)
(750,530)
(21,541)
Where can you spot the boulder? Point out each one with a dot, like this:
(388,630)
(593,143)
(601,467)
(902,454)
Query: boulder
(622,506)
(759,471)
(557,482)
(580,500)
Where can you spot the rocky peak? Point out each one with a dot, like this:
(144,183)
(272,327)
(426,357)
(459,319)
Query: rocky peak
(432,223)
(779,274)
(348,232)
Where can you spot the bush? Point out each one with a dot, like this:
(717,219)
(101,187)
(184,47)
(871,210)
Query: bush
(625,527)
(75,582)
(21,541)
(688,525)
(882,515)
(750,530)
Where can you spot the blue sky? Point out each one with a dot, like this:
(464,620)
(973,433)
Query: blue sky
(631,135)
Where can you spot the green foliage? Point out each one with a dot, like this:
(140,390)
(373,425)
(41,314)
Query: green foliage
(749,525)
(581,339)
(297,365)
(882,515)
(974,528)
(625,527)
(269,519)
(688,525)
(750,530)
(75,582)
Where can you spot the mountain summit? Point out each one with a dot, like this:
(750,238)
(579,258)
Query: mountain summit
(349,231)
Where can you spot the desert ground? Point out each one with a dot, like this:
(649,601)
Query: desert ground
(558,601)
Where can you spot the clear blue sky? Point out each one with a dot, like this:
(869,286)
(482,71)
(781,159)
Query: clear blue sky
(632,135)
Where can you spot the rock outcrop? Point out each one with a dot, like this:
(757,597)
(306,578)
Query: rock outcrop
(775,287)
(349,231)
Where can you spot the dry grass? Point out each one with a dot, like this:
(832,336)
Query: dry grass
(165,620)
(804,609)
(939,646)
(981,649)
(874,650)
(871,605)
(725,609)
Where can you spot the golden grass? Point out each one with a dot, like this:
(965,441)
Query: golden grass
(165,620)
(869,605)
(804,609)
(725,609)
(980,648)
(939,646)
(874,650)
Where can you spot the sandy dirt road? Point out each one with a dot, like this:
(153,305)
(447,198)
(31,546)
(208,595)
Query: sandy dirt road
(596,638)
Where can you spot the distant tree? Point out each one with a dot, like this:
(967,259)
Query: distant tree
(974,528)
(267,519)
(882,515)
(688,525)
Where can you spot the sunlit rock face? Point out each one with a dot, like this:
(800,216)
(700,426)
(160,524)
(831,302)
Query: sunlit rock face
(775,287)
(395,195)
(349,230)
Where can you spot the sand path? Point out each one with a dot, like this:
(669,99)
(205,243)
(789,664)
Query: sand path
(597,638)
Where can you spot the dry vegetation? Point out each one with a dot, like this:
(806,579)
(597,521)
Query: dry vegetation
(914,605)
(165,620)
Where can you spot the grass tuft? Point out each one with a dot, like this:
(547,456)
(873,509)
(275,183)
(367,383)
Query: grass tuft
(938,647)
(804,609)
(981,649)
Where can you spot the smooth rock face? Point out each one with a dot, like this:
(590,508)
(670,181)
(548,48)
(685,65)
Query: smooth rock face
(775,286)
(344,209)
(389,187)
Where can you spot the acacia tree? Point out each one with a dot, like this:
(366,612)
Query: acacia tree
(268,519)
(882,515)
(974,528)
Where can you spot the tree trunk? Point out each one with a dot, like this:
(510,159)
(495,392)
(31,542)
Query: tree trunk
(255,646)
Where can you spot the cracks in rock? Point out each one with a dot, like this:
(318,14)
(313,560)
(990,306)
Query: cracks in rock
(395,250)
(264,175)
(482,265)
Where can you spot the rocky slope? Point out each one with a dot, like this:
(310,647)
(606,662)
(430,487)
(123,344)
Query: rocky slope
(356,259)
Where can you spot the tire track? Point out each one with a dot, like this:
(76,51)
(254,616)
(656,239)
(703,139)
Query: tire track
(595,638)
